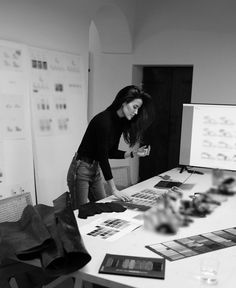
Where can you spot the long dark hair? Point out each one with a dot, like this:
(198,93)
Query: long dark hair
(134,128)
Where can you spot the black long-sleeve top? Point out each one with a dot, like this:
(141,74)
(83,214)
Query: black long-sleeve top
(101,140)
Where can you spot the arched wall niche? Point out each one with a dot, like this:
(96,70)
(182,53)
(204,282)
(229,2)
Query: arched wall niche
(113,29)
(110,63)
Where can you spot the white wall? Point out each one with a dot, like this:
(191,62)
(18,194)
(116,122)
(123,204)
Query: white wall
(64,26)
(201,33)
(110,47)
(56,24)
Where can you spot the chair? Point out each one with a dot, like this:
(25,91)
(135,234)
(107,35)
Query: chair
(121,176)
(11,208)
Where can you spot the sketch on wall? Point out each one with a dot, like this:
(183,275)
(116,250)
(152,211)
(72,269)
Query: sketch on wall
(12,92)
(15,128)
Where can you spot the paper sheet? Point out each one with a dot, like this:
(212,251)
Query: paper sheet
(109,229)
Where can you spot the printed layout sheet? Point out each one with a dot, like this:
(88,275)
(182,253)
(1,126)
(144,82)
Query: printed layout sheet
(56,79)
(110,228)
(50,105)
(214,132)
(15,122)
(143,199)
(59,116)
(147,197)
(195,245)
(12,92)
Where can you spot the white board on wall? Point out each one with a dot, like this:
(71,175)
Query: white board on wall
(59,113)
(16,156)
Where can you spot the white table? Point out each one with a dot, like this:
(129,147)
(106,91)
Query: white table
(181,273)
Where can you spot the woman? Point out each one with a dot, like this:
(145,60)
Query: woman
(130,114)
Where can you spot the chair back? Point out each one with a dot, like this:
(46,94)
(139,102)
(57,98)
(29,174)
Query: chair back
(11,208)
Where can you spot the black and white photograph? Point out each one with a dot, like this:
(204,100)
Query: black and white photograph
(117,143)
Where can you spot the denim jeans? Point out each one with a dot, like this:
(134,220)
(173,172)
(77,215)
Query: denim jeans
(84,181)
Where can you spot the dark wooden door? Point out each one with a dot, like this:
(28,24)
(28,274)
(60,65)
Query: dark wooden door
(169,87)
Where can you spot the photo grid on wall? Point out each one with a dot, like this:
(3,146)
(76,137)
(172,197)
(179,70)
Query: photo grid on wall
(56,77)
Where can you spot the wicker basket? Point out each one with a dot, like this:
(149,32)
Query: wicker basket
(11,208)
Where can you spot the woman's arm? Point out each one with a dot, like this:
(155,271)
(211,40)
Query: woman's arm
(140,152)
(119,194)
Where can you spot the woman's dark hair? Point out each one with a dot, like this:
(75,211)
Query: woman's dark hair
(134,128)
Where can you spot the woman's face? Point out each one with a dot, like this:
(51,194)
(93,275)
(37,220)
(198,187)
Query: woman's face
(131,109)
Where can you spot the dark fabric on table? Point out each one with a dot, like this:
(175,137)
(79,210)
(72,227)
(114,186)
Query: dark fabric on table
(91,208)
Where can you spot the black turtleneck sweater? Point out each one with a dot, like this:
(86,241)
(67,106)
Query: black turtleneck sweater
(101,140)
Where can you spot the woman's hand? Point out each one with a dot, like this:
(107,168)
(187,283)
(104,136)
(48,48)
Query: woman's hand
(121,195)
(143,151)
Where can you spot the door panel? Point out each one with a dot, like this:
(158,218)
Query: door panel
(169,87)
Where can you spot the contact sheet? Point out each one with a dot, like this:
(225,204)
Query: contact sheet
(109,229)
(195,245)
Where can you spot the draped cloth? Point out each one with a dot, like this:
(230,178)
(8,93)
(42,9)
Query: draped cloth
(49,233)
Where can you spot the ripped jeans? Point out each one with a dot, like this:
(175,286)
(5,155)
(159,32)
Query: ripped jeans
(84,181)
